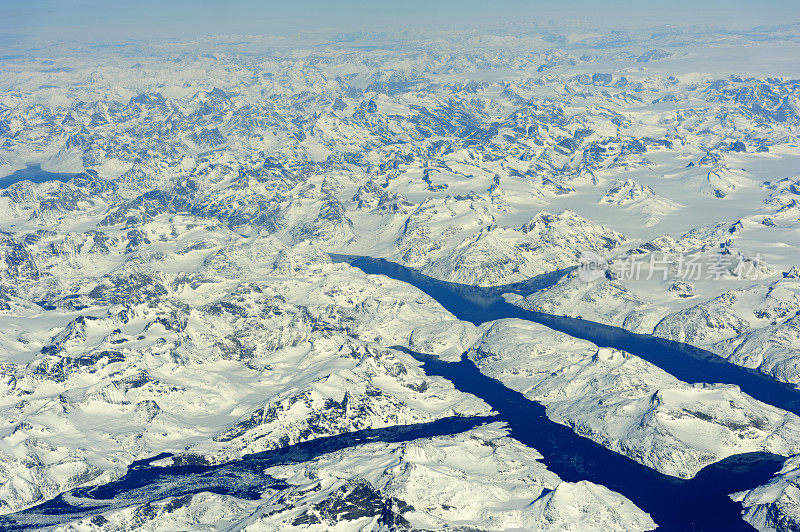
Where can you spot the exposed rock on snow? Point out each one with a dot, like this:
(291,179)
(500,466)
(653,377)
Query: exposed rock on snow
(629,405)
(640,200)
(174,294)
(775,505)
(260,348)
(546,243)
(481,479)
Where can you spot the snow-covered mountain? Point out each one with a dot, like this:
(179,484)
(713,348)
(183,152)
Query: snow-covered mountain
(774,506)
(480,479)
(166,284)
(629,405)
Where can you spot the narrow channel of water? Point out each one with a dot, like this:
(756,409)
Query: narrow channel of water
(686,362)
(701,503)
(243,478)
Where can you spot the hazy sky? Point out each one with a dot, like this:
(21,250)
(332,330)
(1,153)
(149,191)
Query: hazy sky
(111,20)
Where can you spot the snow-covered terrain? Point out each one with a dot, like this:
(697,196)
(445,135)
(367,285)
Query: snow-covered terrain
(775,505)
(165,284)
(629,405)
(480,479)
(219,364)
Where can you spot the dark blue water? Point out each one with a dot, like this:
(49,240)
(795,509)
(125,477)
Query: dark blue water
(701,503)
(34,174)
(686,362)
(243,478)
